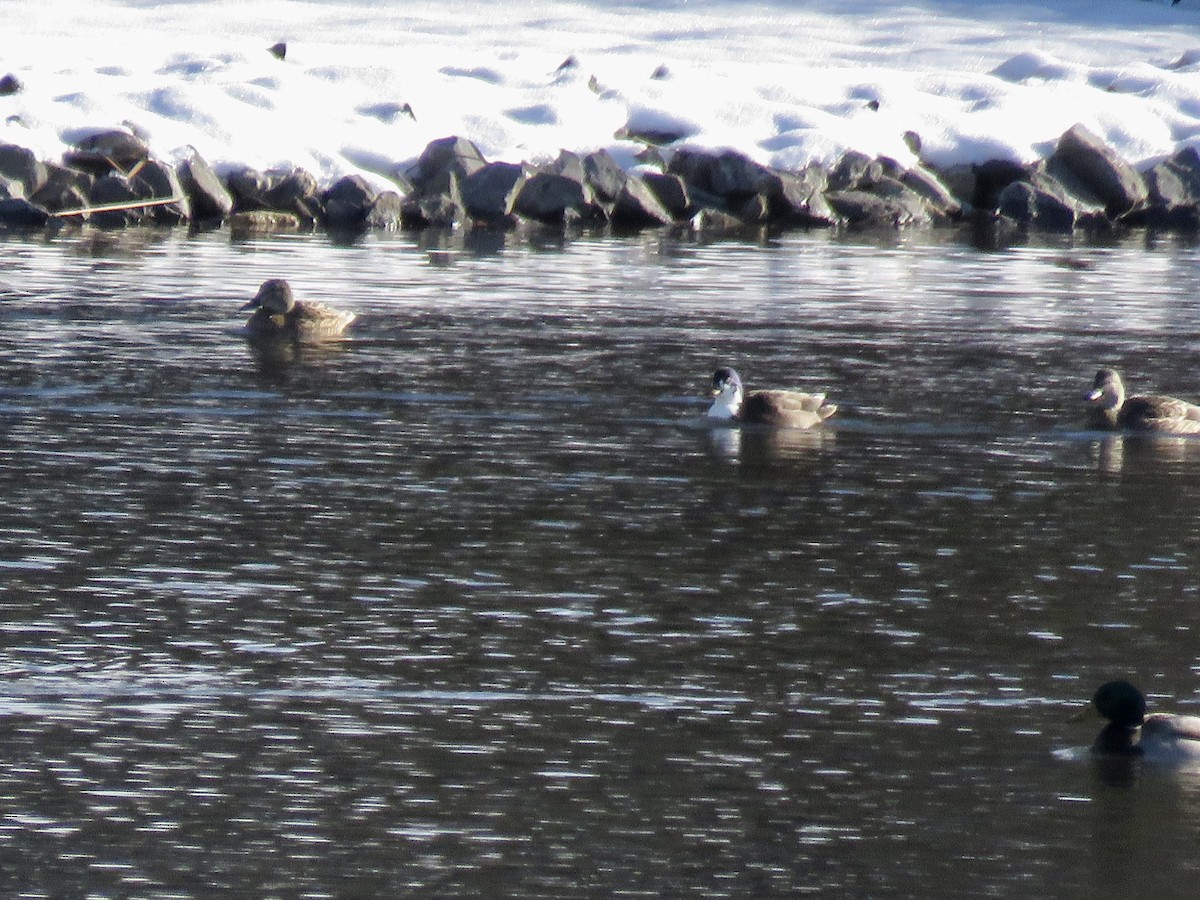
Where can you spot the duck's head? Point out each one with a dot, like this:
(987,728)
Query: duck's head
(275,296)
(726,392)
(1121,703)
(1107,390)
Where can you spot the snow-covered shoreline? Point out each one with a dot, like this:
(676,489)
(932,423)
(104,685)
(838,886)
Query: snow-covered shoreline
(366,85)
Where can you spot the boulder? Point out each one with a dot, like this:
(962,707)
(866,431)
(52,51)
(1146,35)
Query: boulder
(387,212)
(111,190)
(157,181)
(296,192)
(1035,206)
(348,202)
(637,206)
(209,198)
(436,211)
(1098,168)
(855,171)
(108,151)
(730,175)
(1174,192)
(990,178)
(450,155)
(488,194)
(798,198)
(17,212)
(19,165)
(248,187)
(65,189)
(939,197)
(606,177)
(263,220)
(10,84)
(869,209)
(672,193)
(555,199)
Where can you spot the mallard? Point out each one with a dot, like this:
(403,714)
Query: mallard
(1158,737)
(278,314)
(1111,409)
(781,409)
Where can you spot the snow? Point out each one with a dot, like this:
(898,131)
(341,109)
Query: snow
(366,84)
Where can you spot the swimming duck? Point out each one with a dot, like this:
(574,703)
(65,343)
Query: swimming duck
(1111,409)
(1158,737)
(782,409)
(278,314)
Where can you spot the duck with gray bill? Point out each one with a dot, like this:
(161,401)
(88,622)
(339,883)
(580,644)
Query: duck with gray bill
(777,408)
(279,315)
(1112,410)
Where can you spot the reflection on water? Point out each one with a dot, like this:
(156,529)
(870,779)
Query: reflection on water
(476,598)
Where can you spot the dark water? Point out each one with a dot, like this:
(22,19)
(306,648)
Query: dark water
(471,605)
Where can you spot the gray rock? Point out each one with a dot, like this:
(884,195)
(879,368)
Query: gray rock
(348,202)
(855,171)
(209,198)
(256,221)
(556,199)
(437,211)
(115,189)
(387,212)
(489,193)
(65,189)
(1099,168)
(637,206)
(798,198)
(20,165)
(442,157)
(108,151)
(248,187)
(17,212)
(1032,206)
(296,192)
(992,177)
(868,209)
(157,181)
(10,84)
(672,193)
(605,176)
(939,197)
(730,175)
(1174,189)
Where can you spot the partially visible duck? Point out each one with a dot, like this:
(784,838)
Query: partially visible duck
(781,409)
(1111,409)
(1159,738)
(278,314)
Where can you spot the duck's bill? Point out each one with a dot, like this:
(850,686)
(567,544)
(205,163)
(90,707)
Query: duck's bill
(1093,396)
(253,304)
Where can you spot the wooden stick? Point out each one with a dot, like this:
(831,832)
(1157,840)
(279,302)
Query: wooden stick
(117,207)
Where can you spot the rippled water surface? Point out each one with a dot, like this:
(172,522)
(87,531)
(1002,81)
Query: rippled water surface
(474,604)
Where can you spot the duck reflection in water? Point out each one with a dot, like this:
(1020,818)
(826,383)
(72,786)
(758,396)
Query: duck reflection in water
(756,444)
(1115,452)
(1158,739)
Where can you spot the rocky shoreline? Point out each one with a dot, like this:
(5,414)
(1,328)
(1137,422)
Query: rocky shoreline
(112,180)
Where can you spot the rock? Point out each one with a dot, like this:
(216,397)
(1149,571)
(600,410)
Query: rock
(263,220)
(10,84)
(854,171)
(157,181)
(488,194)
(606,177)
(672,193)
(437,211)
(17,164)
(248,187)
(442,157)
(348,202)
(939,197)
(296,192)
(798,198)
(730,175)
(868,209)
(108,151)
(637,206)
(1104,173)
(115,189)
(992,177)
(387,212)
(17,212)
(1174,192)
(1033,206)
(715,221)
(278,50)
(209,198)
(555,199)
(65,189)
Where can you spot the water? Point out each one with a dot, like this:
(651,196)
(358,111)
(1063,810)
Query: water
(473,605)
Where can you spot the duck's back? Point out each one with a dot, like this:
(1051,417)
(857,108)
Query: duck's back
(1159,413)
(786,409)
(316,321)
